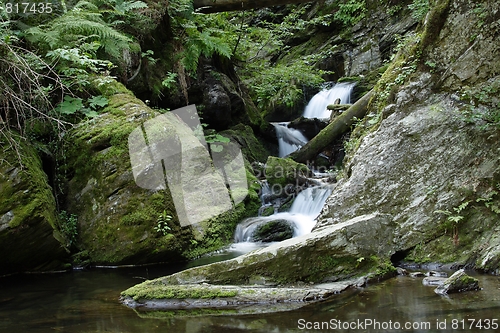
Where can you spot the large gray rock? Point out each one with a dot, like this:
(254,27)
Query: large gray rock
(333,253)
(131,168)
(29,229)
(243,299)
(422,157)
(357,247)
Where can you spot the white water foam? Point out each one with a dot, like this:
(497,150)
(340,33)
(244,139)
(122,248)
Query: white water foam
(316,108)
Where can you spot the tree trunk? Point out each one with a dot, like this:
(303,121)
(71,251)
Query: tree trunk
(214,6)
(334,130)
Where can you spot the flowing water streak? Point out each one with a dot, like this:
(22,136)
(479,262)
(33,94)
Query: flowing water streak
(302,215)
(289,139)
(309,202)
(316,108)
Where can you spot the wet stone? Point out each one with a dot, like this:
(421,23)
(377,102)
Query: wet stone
(458,282)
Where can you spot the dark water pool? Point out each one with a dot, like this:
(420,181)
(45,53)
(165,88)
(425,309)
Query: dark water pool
(87,301)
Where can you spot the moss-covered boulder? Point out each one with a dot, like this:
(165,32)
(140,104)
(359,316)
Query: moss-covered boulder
(127,213)
(284,171)
(29,236)
(273,231)
(223,299)
(429,156)
(457,283)
(359,247)
(252,148)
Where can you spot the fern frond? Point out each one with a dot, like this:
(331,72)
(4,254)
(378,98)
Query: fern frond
(78,27)
(85,6)
(123,7)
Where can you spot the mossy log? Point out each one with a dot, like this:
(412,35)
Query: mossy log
(334,130)
(214,6)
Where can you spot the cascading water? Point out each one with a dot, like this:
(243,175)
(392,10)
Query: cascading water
(309,202)
(317,106)
(289,139)
(305,208)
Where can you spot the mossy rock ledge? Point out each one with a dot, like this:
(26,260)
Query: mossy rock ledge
(342,252)
(29,236)
(118,219)
(425,155)
(284,171)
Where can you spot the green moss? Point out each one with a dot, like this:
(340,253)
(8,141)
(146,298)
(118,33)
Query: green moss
(148,291)
(435,21)
(283,171)
(218,233)
(108,87)
(251,148)
(32,239)
(468,280)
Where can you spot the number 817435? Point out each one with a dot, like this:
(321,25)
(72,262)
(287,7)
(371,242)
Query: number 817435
(28,8)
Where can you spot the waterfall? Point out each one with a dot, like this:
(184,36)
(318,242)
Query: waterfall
(302,214)
(289,139)
(316,108)
(309,202)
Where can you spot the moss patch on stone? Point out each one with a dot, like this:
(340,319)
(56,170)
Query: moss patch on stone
(252,149)
(283,171)
(117,218)
(147,291)
(29,235)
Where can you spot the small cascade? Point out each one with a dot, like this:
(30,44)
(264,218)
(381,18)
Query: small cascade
(310,201)
(302,214)
(317,106)
(266,196)
(289,139)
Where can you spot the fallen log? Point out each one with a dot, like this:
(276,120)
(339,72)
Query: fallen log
(214,6)
(333,131)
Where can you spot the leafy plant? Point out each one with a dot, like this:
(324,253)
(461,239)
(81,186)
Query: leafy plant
(198,34)
(455,218)
(69,227)
(488,201)
(169,80)
(351,12)
(214,138)
(82,25)
(483,104)
(282,85)
(148,54)
(71,105)
(162,223)
(393,9)
(419,9)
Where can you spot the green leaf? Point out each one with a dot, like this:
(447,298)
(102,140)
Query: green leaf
(455,218)
(461,207)
(169,80)
(89,113)
(98,101)
(70,105)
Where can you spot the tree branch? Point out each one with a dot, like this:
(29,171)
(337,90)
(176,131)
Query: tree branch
(334,130)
